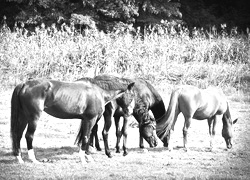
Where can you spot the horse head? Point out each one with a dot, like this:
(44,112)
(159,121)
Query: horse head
(148,131)
(227,132)
(126,101)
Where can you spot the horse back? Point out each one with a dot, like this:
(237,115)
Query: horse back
(201,103)
(62,99)
(146,92)
(74,100)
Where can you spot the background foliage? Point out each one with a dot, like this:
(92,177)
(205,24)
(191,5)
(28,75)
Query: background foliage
(105,14)
(194,52)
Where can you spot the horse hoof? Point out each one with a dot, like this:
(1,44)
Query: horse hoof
(19,160)
(88,158)
(117,151)
(125,153)
(35,161)
(109,155)
(170,149)
(91,150)
(99,149)
(144,150)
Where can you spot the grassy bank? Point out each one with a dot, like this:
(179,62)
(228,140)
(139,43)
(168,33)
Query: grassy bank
(171,58)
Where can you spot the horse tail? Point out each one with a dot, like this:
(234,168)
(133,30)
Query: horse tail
(80,134)
(165,123)
(15,118)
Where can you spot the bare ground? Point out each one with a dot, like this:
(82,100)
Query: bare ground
(54,146)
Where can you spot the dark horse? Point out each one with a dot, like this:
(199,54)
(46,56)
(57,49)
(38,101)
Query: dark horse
(146,98)
(198,104)
(66,100)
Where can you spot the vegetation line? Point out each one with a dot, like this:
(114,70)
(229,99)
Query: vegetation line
(172,57)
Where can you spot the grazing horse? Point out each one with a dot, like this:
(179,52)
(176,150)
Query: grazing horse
(65,100)
(146,98)
(199,104)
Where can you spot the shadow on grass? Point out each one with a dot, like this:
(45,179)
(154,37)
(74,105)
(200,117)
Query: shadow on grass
(179,148)
(52,154)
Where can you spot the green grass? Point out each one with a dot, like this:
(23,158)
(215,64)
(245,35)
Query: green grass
(171,58)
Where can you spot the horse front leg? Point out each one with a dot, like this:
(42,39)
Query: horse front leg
(212,124)
(141,145)
(118,133)
(97,143)
(107,124)
(125,136)
(185,132)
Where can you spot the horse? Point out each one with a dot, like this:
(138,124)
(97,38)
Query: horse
(126,102)
(199,104)
(65,100)
(146,98)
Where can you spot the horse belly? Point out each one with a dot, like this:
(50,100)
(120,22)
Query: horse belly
(65,112)
(203,114)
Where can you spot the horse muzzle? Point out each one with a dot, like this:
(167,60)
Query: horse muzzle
(152,141)
(229,146)
(228,143)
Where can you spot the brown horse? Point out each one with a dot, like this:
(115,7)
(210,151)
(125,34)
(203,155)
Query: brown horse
(125,102)
(198,104)
(66,100)
(146,98)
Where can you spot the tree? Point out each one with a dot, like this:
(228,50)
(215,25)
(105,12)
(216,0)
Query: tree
(132,10)
(104,12)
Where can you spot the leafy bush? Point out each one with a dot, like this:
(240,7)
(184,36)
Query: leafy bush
(169,58)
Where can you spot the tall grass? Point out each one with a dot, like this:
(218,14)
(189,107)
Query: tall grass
(169,58)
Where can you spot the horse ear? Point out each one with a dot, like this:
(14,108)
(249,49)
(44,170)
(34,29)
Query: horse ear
(131,85)
(235,121)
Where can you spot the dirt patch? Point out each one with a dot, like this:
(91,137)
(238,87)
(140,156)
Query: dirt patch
(54,146)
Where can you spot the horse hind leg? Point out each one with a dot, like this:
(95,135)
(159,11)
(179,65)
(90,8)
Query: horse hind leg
(32,125)
(84,135)
(16,138)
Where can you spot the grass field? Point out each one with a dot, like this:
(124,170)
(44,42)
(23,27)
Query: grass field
(54,147)
(166,61)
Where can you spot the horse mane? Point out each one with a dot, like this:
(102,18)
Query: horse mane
(107,84)
(164,124)
(141,111)
(158,109)
(113,78)
(226,116)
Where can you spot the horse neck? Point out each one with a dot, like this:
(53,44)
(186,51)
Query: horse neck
(164,124)
(109,95)
(141,111)
(226,118)
(158,109)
